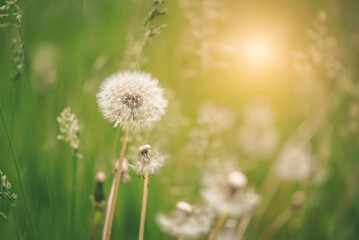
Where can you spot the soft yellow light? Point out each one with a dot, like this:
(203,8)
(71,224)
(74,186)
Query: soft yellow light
(257,51)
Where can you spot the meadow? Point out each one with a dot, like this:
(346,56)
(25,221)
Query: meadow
(252,125)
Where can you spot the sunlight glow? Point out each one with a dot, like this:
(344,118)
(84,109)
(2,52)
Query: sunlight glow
(258,51)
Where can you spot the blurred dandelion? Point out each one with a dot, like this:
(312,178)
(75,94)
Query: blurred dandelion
(98,202)
(44,65)
(205,140)
(257,136)
(215,119)
(229,198)
(186,221)
(294,163)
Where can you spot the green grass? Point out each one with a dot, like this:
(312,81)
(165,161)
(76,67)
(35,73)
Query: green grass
(81,34)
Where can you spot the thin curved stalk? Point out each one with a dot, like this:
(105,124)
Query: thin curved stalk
(243,225)
(111,205)
(14,158)
(73,192)
(218,227)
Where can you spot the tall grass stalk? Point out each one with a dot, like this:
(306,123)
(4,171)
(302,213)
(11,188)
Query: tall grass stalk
(111,205)
(14,158)
(144,205)
(15,222)
(73,191)
(217,228)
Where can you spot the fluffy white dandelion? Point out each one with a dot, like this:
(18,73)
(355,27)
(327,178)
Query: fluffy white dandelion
(150,163)
(186,221)
(131,99)
(229,197)
(294,163)
(69,128)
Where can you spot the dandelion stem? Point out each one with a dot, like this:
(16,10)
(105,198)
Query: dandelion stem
(243,226)
(220,221)
(283,218)
(144,205)
(110,211)
(14,158)
(73,191)
(95,225)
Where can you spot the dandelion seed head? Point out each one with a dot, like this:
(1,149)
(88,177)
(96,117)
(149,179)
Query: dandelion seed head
(145,149)
(186,221)
(237,180)
(69,128)
(98,197)
(294,163)
(185,207)
(149,162)
(227,195)
(100,177)
(132,99)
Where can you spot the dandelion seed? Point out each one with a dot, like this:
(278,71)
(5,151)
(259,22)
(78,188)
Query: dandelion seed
(150,163)
(69,128)
(132,100)
(186,221)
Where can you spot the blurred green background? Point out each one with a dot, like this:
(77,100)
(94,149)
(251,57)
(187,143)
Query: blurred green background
(71,46)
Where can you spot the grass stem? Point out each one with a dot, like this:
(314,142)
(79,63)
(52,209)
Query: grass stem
(15,160)
(73,192)
(95,225)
